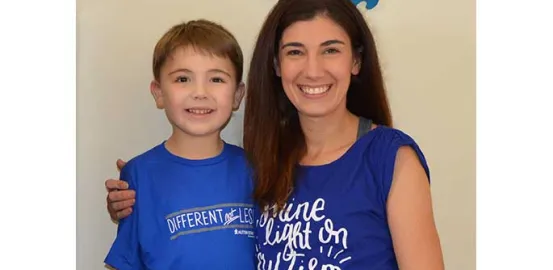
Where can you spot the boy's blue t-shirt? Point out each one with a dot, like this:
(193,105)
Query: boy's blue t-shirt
(189,214)
(336,215)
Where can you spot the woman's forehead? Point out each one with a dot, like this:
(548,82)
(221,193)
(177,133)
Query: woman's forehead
(317,30)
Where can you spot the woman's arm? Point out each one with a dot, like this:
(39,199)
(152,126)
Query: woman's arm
(119,198)
(410,215)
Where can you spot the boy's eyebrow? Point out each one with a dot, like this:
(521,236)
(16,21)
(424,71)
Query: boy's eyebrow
(181,70)
(219,71)
(190,71)
(326,43)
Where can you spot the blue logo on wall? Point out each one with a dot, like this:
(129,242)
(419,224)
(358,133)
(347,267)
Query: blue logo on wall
(370,3)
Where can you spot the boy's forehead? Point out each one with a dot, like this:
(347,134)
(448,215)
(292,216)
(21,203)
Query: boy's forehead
(198,58)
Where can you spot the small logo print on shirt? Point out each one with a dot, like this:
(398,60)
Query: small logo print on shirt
(249,233)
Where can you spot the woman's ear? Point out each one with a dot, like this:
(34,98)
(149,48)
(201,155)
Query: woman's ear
(357,56)
(276,66)
(356,67)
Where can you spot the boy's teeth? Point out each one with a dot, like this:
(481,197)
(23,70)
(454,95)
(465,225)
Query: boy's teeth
(314,90)
(199,111)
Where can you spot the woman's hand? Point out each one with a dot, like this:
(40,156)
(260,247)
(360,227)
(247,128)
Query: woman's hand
(119,198)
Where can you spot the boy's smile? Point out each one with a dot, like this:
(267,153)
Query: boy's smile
(199,112)
(198,91)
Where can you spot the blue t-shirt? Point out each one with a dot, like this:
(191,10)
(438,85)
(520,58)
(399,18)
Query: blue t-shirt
(189,214)
(336,215)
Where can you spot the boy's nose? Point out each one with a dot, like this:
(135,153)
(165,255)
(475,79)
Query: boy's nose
(199,92)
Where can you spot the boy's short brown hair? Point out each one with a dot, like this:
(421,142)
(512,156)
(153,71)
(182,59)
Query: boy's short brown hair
(203,35)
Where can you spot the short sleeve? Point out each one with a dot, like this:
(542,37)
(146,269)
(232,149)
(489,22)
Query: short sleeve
(124,253)
(391,142)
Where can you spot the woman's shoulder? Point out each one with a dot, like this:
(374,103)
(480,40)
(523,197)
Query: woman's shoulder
(378,150)
(384,136)
(381,145)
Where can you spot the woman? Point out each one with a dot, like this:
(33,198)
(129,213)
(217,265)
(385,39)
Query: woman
(336,186)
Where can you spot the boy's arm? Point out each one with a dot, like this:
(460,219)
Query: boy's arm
(124,253)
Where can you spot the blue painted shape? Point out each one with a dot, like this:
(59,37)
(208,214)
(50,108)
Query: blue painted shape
(370,3)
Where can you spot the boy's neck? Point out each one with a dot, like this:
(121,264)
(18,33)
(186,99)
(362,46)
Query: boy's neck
(194,147)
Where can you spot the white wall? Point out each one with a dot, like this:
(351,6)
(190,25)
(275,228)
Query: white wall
(428,53)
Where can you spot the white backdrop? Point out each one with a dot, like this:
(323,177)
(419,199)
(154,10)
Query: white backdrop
(428,55)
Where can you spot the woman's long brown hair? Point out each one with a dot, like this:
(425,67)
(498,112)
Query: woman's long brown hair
(273,139)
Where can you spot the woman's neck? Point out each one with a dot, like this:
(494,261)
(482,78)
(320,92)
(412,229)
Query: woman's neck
(328,137)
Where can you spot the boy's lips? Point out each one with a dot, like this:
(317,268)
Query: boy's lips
(199,111)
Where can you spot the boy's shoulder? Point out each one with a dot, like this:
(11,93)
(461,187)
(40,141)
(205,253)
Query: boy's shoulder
(235,150)
(236,155)
(153,154)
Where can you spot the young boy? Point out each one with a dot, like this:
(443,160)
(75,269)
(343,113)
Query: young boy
(194,208)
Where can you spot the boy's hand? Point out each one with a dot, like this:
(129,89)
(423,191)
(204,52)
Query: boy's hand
(119,199)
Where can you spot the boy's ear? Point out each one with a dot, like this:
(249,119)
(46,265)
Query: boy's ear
(155,90)
(238,96)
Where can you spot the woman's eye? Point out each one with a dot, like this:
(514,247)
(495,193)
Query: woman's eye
(294,52)
(331,51)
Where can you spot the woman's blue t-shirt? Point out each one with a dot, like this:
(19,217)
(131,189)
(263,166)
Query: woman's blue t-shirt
(336,217)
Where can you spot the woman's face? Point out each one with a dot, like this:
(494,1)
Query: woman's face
(315,63)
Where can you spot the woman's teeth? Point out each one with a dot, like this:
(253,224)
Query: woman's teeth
(314,90)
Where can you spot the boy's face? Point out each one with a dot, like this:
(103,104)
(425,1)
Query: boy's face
(198,91)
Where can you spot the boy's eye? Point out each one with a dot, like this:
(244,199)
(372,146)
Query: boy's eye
(181,79)
(218,80)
